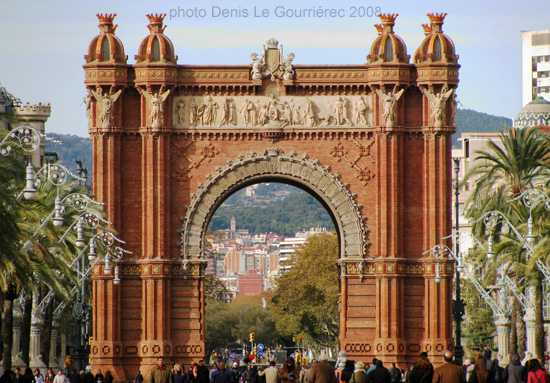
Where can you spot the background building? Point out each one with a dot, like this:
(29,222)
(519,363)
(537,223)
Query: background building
(535,65)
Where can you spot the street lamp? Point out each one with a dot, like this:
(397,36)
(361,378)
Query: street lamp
(458,302)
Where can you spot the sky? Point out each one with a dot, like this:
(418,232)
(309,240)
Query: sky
(44,42)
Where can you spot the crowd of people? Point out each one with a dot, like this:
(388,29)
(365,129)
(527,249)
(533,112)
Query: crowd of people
(480,369)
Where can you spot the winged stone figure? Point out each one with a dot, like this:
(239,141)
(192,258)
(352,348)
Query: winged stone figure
(438,101)
(106,102)
(156,102)
(390,101)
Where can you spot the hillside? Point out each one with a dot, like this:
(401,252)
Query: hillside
(468,120)
(69,148)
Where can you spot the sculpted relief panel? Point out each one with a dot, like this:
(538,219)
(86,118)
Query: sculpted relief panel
(272,111)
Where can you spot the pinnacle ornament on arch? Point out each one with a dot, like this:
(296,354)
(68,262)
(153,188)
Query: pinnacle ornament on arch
(436,20)
(156,22)
(379,28)
(388,21)
(106,22)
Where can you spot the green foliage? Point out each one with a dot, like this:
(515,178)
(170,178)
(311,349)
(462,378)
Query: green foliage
(228,325)
(305,300)
(298,211)
(214,287)
(468,120)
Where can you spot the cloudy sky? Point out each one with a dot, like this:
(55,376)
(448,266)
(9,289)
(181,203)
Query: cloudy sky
(44,42)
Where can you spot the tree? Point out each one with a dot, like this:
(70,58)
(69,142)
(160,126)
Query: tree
(215,288)
(502,174)
(305,299)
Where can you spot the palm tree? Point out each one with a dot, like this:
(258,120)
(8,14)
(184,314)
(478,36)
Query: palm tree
(501,173)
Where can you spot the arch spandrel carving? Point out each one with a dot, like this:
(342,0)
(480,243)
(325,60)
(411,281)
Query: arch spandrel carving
(274,163)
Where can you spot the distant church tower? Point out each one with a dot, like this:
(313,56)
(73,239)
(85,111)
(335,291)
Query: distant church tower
(233,226)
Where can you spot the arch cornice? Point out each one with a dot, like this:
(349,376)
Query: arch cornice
(273,162)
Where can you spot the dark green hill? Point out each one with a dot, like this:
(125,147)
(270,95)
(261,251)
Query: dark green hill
(298,211)
(468,120)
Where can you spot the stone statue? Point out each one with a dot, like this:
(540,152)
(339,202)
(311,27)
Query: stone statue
(106,102)
(454,108)
(263,115)
(360,112)
(228,117)
(297,116)
(156,102)
(389,102)
(88,103)
(209,111)
(437,103)
(180,112)
(340,112)
(288,71)
(273,109)
(287,114)
(310,117)
(192,112)
(258,66)
(248,111)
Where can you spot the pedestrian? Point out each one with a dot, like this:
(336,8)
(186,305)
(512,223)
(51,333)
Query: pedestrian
(28,377)
(222,375)
(514,372)
(380,374)
(75,377)
(395,373)
(108,377)
(88,376)
(38,377)
(341,361)
(18,375)
(421,372)
(271,373)
(480,373)
(304,374)
(288,372)
(498,372)
(360,375)
(159,373)
(449,372)
(60,377)
(347,372)
(99,378)
(250,374)
(6,377)
(373,366)
(322,372)
(179,374)
(536,374)
(204,374)
(137,379)
(214,368)
(193,376)
(50,376)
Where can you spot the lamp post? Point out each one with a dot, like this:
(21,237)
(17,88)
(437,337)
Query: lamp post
(458,302)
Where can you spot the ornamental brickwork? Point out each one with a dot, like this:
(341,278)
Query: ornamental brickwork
(371,141)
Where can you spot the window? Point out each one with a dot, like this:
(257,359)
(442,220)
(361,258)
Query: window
(156,49)
(388,48)
(437,48)
(105,50)
(540,39)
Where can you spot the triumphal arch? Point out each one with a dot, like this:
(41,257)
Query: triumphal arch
(371,141)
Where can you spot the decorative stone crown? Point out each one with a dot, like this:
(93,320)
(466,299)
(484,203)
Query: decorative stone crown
(436,47)
(437,18)
(427,29)
(106,22)
(155,22)
(379,28)
(272,43)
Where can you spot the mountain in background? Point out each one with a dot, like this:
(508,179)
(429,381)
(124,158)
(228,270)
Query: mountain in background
(268,207)
(470,121)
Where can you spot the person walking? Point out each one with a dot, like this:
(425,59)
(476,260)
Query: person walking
(108,377)
(99,378)
(449,372)
(422,371)
(159,373)
(178,373)
(380,374)
(395,373)
(60,377)
(481,373)
(137,379)
(271,373)
(347,371)
(222,375)
(288,373)
(50,376)
(536,373)
(360,375)
(322,372)
(514,372)
(38,377)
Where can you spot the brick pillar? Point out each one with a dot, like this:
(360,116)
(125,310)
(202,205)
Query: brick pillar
(106,348)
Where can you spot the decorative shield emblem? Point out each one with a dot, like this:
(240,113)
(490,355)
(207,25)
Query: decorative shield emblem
(273,60)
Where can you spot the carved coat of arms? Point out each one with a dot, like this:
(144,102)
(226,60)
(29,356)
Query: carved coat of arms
(272,63)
